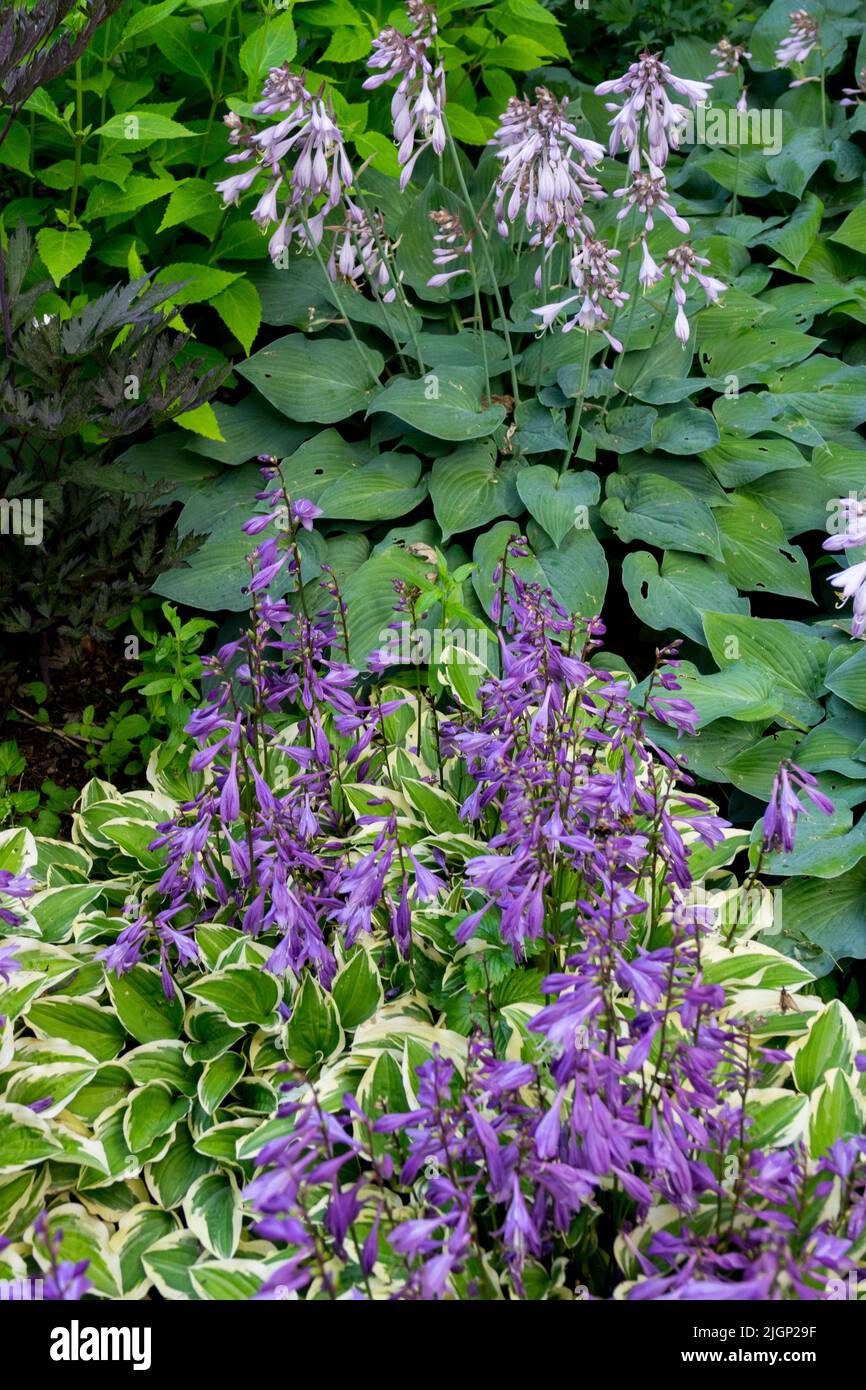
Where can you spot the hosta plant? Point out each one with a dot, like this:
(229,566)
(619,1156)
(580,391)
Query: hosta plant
(419,994)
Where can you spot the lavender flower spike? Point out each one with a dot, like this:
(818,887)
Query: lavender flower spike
(780,817)
(418,105)
(648,106)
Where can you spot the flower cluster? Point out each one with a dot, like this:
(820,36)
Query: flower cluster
(784,807)
(594,275)
(450,243)
(418,104)
(682,264)
(546,172)
(851,582)
(731,57)
(648,110)
(306,136)
(801,40)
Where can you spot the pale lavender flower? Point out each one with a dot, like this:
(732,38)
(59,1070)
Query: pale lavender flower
(683,265)
(308,137)
(594,275)
(647,192)
(851,584)
(854,96)
(853,513)
(650,272)
(780,817)
(418,105)
(731,57)
(546,168)
(451,243)
(801,40)
(648,108)
(357,251)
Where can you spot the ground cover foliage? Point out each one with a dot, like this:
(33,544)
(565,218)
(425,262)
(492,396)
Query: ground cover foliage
(467,902)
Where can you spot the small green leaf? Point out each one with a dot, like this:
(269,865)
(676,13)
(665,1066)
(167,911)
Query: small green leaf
(62,251)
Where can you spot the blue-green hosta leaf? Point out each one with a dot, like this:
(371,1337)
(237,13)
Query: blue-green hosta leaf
(576,571)
(384,488)
(827,392)
(655,509)
(488,552)
(446,404)
(832,1041)
(757,553)
(747,353)
(322,380)
(677,595)
(836,746)
(795,237)
(801,154)
(320,461)
(798,662)
(470,488)
(559,502)
(369,596)
(826,846)
(685,429)
(625,429)
(827,915)
(717,744)
(853,230)
(742,691)
(846,673)
(250,428)
(735,460)
(539,430)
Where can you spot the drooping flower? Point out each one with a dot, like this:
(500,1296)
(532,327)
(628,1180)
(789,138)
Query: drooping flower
(594,274)
(785,806)
(418,104)
(855,96)
(731,57)
(683,264)
(303,157)
(647,192)
(546,169)
(450,243)
(648,109)
(851,582)
(361,248)
(802,39)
